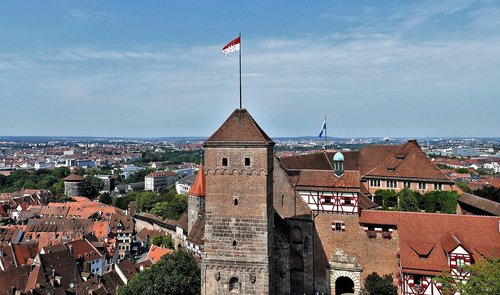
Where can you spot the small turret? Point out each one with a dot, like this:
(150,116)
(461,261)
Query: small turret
(196,198)
(338,164)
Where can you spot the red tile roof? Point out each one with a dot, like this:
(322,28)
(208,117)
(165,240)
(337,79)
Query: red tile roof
(82,249)
(480,203)
(424,238)
(199,186)
(408,161)
(240,127)
(327,179)
(155,253)
(74,177)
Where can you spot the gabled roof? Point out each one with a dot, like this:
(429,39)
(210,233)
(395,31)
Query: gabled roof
(483,204)
(199,186)
(198,230)
(239,128)
(326,179)
(182,222)
(426,238)
(156,253)
(408,161)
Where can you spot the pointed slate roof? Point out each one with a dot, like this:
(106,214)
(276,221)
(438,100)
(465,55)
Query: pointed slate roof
(239,128)
(198,188)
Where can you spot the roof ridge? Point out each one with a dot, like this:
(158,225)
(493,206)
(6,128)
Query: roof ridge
(239,127)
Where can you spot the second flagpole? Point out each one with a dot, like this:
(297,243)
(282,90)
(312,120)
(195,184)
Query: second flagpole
(241,105)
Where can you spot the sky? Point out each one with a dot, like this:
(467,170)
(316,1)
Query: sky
(156,68)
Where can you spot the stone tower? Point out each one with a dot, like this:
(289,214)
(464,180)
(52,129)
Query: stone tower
(196,198)
(238,209)
(73,185)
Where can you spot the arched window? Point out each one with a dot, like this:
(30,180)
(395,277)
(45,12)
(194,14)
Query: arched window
(296,235)
(297,263)
(234,285)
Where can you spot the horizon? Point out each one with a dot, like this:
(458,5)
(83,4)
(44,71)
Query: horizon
(126,69)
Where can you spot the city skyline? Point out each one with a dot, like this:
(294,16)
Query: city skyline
(132,70)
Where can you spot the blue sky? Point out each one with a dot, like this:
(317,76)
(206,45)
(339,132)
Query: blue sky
(155,68)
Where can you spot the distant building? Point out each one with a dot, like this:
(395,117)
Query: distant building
(109,182)
(73,185)
(128,170)
(183,185)
(157,181)
(39,166)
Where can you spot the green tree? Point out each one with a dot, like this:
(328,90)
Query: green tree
(146,200)
(408,200)
(377,285)
(172,208)
(176,273)
(105,198)
(463,186)
(386,194)
(91,186)
(58,187)
(163,241)
(489,192)
(462,170)
(483,279)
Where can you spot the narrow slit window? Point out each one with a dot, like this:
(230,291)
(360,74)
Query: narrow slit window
(224,161)
(247,161)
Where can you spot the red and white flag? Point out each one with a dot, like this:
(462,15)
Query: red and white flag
(232,46)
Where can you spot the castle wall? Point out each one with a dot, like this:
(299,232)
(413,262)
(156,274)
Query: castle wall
(238,220)
(372,254)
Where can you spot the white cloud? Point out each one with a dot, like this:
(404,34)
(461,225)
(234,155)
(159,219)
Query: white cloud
(80,15)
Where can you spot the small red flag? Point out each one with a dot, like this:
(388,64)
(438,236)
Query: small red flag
(232,46)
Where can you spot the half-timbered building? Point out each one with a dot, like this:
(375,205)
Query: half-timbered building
(430,244)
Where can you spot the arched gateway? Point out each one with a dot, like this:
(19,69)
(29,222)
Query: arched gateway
(344,286)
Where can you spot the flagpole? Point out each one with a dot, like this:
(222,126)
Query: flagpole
(326,136)
(240,72)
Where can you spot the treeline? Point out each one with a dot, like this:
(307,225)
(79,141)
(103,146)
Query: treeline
(413,201)
(48,179)
(171,156)
(168,204)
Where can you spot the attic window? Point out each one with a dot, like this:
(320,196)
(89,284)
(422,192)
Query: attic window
(401,156)
(224,161)
(247,161)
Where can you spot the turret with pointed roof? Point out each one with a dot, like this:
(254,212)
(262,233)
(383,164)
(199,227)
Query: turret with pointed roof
(196,198)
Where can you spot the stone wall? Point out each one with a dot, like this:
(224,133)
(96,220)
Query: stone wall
(73,188)
(195,204)
(372,254)
(238,220)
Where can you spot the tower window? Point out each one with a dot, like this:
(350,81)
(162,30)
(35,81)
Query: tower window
(234,285)
(235,202)
(224,161)
(247,161)
(234,243)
